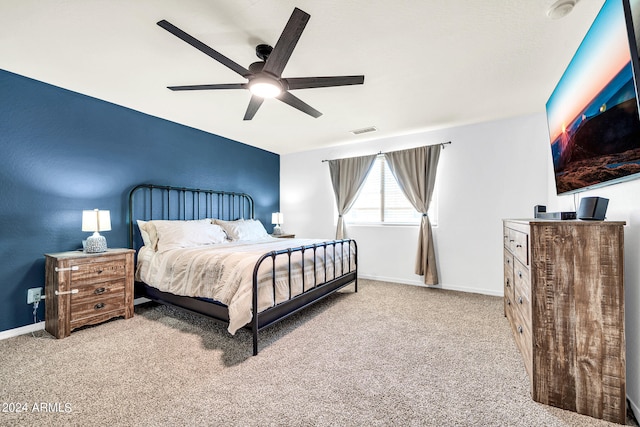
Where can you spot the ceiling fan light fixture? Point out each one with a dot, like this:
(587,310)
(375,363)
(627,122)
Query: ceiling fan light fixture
(265,87)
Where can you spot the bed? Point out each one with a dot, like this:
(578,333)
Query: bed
(244,278)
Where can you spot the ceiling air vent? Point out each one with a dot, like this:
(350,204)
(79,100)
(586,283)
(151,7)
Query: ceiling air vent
(364,130)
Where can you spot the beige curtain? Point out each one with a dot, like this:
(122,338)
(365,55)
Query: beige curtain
(415,171)
(347,177)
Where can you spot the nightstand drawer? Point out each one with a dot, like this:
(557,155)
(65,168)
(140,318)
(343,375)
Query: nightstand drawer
(97,271)
(97,292)
(82,312)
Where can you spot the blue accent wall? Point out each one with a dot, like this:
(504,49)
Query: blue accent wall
(63,152)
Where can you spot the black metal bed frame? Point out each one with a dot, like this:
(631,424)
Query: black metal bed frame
(173,203)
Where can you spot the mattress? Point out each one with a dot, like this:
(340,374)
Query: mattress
(224,272)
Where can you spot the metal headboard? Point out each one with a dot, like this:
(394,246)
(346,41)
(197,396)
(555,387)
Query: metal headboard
(148,202)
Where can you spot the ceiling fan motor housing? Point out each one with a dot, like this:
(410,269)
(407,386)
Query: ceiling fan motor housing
(263,51)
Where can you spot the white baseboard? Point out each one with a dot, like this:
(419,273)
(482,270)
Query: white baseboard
(634,408)
(21,330)
(10,333)
(440,286)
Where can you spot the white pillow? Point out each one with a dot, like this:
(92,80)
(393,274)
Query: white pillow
(151,227)
(186,234)
(241,230)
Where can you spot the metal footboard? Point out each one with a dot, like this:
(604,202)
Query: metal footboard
(309,294)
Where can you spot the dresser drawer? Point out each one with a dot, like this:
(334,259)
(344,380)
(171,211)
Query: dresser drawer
(97,271)
(522,283)
(508,278)
(522,335)
(520,244)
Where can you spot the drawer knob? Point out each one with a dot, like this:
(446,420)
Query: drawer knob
(99,306)
(100,291)
(520,274)
(508,284)
(520,329)
(508,301)
(520,300)
(508,261)
(518,246)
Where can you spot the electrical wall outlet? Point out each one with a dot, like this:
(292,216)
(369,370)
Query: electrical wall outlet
(34,295)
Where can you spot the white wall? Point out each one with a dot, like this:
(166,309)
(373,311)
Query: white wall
(624,205)
(490,171)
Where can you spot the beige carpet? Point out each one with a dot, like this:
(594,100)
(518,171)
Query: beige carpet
(389,355)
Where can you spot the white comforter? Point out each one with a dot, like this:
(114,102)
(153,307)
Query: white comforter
(224,272)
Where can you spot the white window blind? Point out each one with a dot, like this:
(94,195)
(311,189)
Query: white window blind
(382,202)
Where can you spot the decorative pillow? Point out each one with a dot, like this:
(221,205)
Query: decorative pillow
(142,226)
(240,230)
(186,234)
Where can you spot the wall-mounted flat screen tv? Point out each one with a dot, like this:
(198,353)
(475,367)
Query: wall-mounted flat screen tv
(592,114)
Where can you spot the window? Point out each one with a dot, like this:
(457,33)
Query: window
(382,202)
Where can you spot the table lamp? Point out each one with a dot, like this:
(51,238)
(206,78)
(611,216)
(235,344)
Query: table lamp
(96,221)
(277,218)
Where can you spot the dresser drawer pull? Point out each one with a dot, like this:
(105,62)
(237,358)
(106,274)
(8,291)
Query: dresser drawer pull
(508,284)
(99,306)
(508,301)
(72,291)
(508,261)
(100,291)
(520,329)
(520,300)
(518,246)
(520,274)
(74,268)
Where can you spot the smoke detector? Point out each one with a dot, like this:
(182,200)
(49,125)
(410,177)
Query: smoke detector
(561,8)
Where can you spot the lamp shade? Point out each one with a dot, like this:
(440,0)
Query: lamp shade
(96,220)
(277,218)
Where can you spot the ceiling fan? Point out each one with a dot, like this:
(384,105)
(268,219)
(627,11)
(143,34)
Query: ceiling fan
(265,77)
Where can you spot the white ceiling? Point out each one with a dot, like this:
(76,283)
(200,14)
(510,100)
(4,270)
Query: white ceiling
(427,63)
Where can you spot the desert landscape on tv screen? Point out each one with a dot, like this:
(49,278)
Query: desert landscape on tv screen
(593,112)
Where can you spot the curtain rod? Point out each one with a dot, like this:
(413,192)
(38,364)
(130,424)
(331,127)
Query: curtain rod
(380,152)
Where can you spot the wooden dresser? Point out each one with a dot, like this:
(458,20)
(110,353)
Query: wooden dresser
(85,289)
(564,298)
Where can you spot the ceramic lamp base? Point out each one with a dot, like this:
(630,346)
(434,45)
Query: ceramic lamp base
(277,230)
(95,244)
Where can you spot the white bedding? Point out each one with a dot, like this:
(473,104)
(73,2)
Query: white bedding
(224,272)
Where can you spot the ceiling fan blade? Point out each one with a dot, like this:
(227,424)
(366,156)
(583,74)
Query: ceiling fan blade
(254,104)
(204,48)
(312,82)
(286,43)
(295,102)
(210,87)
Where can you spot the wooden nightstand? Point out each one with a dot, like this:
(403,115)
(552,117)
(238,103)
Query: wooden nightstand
(284,236)
(85,289)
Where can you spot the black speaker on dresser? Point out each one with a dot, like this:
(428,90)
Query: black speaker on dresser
(593,208)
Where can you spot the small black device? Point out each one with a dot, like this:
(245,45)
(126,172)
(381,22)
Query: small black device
(593,208)
(557,215)
(540,212)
